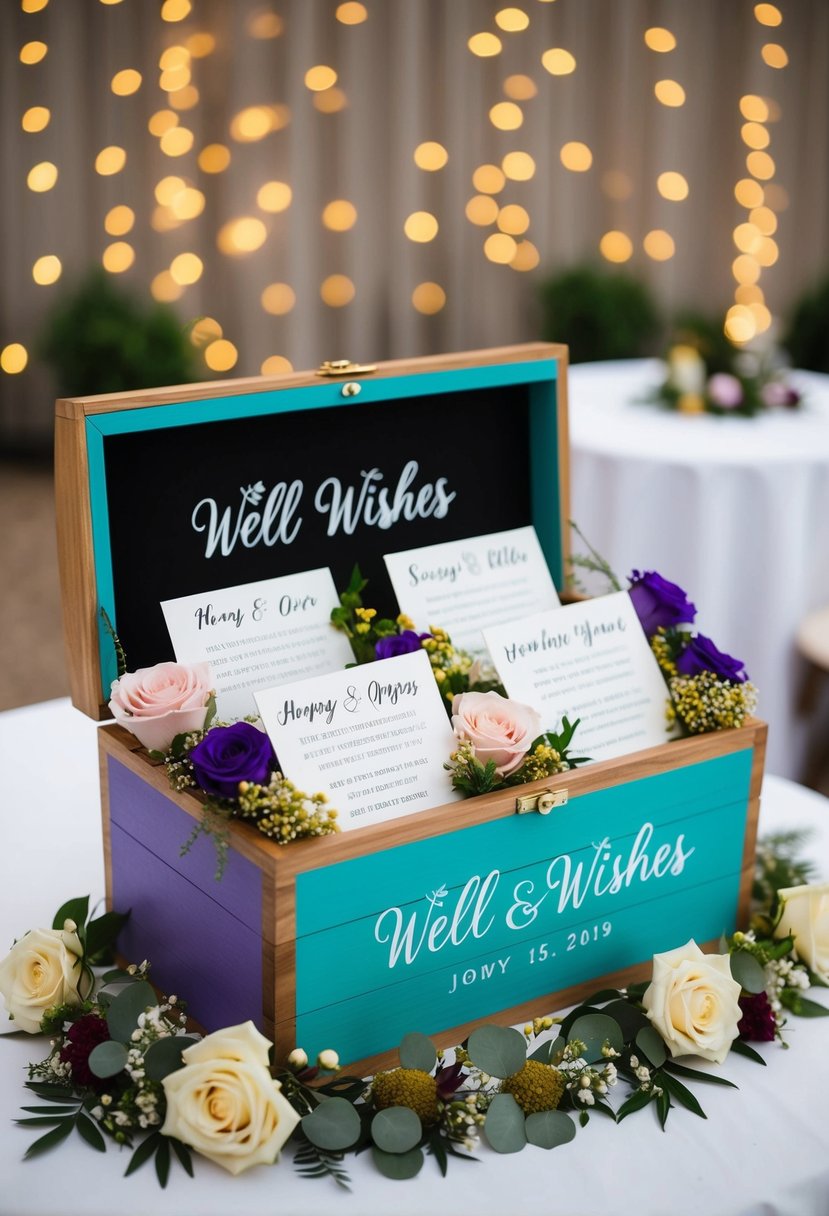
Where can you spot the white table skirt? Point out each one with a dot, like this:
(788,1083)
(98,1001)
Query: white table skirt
(763,1151)
(735,510)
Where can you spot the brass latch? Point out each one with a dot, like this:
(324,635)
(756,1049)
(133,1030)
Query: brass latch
(543,801)
(344,367)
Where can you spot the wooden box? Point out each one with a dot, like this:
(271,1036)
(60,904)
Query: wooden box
(438,920)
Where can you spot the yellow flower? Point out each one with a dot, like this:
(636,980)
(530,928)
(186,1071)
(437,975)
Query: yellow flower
(536,1087)
(410,1087)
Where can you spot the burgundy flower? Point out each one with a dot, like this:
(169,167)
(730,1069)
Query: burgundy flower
(758,1022)
(449,1079)
(230,754)
(700,654)
(403,643)
(658,602)
(83,1035)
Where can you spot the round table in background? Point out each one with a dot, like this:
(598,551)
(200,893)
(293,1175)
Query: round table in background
(735,510)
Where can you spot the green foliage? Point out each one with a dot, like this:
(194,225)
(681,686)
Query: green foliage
(593,1030)
(549,1128)
(707,335)
(334,1125)
(417,1051)
(396,1129)
(122,1015)
(599,314)
(108,1059)
(398,1166)
(497,1050)
(120,653)
(807,332)
(747,971)
(101,339)
(505,1125)
(313,1162)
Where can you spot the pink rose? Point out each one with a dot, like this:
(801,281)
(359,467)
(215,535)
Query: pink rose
(158,703)
(498,729)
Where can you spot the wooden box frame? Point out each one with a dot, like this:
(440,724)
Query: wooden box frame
(144,822)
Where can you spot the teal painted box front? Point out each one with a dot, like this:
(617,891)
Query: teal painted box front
(432,922)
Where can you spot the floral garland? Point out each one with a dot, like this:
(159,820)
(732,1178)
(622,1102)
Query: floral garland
(124,1066)
(746,386)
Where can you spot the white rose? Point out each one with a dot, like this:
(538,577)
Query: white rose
(693,1002)
(224,1102)
(41,970)
(806,917)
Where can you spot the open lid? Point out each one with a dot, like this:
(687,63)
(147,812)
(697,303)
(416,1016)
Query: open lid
(175,491)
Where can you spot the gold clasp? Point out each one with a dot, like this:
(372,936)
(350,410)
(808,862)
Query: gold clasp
(345,367)
(543,801)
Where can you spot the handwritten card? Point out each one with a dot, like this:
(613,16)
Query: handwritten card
(373,738)
(467,586)
(590,661)
(259,634)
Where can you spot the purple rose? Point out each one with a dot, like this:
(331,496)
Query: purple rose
(658,602)
(700,654)
(725,390)
(230,754)
(758,1023)
(403,643)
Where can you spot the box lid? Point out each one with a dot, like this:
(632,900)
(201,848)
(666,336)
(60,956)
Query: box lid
(175,491)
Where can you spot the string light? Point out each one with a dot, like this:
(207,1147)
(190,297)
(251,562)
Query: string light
(489,179)
(33,52)
(657,38)
(276,365)
(186,268)
(672,186)
(485,45)
(42,177)
(206,329)
(421,226)
(118,257)
(13,358)
(768,14)
(47,270)
(242,235)
(659,245)
(176,142)
(214,158)
(251,124)
(520,88)
(513,220)
(36,118)
(616,246)
(330,101)
(339,215)
(221,355)
(351,13)
(669,93)
(175,10)
(126,82)
(506,116)
(337,290)
(201,45)
(161,122)
(278,299)
(482,209)
(265,25)
(558,62)
(110,160)
(430,156)
(500,248)
(274,196)
(774,55)
(119,220)
(576,157)
(164,288)
(526,257)
(428,298)
(320,77)
(518,166)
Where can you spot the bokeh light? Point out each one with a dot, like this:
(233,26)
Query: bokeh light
(558,62)
(430,156)
(126,82)
(42,177)
(485,45)
(13,358)
(520,88)
(214,158)
(617,184)
(251,124)
(518,166)
(506,116)
(428,298)
(110,160)
(489,179)
(276,365)
(421,226)
(241,236)
(278,299)
(657,38)
(176,142)
(754,108)
(482,209)
(205,330)
(36,118)
(162,121)
(164,288)
(186,268)
(500,248)
(33,52)
(119,220)
(512,20)
(320,77)
(768,14)
(351,13)
(221,355)
(118,257)
(201,45)
(337,290)
(748,192)
(576,157)
(616,246)
(672,186)
(774,55)
(274,196)
(47,270)
(513,220)
(265,24)
(754,135)
(526,257)
(330,101)
(659,245)
(760,165)
(669,93)
(339,215)
(175,10)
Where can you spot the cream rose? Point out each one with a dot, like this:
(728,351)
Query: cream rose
(805,916)
(224,1102)
(498,729)
(692,1002)
(158,703)
(43,969)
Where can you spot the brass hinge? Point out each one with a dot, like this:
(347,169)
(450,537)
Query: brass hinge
(345,367)
(543,801)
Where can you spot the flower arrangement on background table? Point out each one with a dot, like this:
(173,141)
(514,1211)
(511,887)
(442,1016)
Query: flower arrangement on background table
(746,383)
(124,1066)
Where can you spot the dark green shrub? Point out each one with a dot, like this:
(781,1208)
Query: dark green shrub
(600,314)
(807,336)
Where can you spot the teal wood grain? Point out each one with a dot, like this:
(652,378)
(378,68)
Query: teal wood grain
(377,1021)
(370,883)
(475,910)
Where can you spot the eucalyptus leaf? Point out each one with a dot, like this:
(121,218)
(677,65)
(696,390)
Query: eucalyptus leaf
(505,1125)
(652,1045)
(396,1129)
(418,1051)
(164,1056)
(549,1128)
(122,1016)
(333,1125)
(107,1059)
(747,971)
(593,1029)
(398,1165)
(498,1050)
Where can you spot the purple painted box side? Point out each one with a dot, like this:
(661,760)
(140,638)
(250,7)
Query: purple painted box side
(162,827)
(201,948)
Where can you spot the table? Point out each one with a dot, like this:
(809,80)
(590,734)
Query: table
(763,1150)
(735,510)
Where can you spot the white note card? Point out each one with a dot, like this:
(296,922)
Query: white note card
(590,661)
(259,634)
(374,738)
(467,586)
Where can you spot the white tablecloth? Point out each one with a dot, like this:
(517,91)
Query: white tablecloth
(735,510)
(763,1151)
